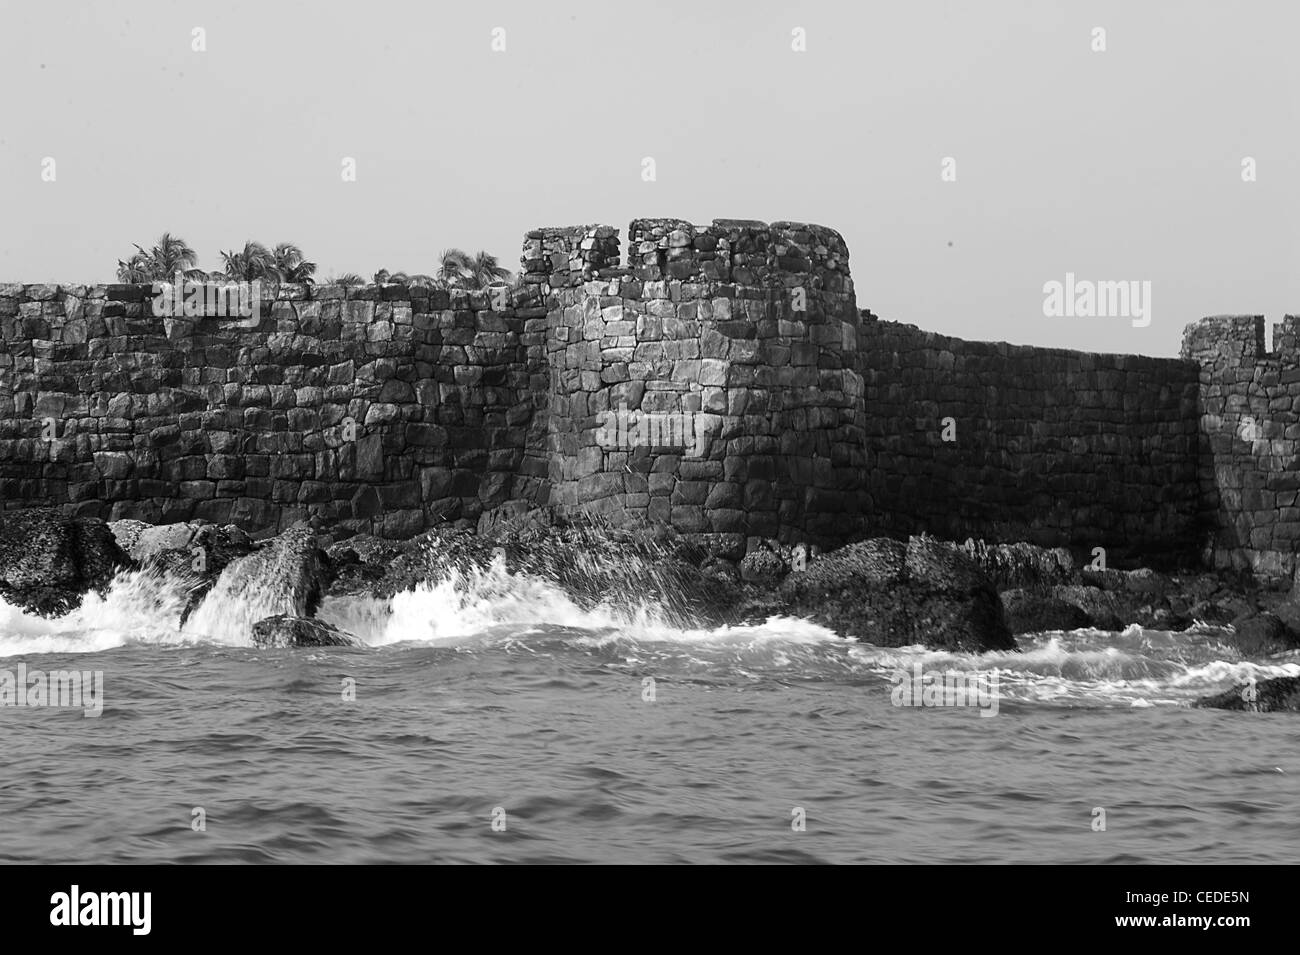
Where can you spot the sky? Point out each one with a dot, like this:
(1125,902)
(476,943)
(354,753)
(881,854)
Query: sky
(1122,164)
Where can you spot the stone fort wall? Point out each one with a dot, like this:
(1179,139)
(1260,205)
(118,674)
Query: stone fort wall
(1050,446)
(718,378)
(1249,464)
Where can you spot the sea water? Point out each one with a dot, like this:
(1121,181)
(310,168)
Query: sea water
(491,719)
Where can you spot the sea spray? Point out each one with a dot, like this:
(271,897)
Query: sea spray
(467,603)
(137,605)
(231,608)
(592,566)
(487,609)
(284,576)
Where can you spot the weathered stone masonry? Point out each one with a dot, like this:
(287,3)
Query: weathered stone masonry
(1249,407)
(1050,446)
(379,408)
(721,380)
(729,353)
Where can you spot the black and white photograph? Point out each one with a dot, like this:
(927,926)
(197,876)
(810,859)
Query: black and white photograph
(689,433)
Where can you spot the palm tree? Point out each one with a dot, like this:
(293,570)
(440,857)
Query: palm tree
(255,262)
(418,280)
(137,270)
(171,254)
(488,271)
(291,266)
(456,269)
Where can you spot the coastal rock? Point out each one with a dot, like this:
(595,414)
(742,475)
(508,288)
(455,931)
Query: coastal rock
(1278,695)
(48,562)
(287,574)
(1260,634)
(1158,601)
(1021,565)
(891,593)
(762,565)
(1037,583)
(290,568)
(923,591)
(127,533)
(1040,584)
(1110,610)
(283,630)
(1288,611)
(883,591)
(361,562)
(165,537)
(204,548)
(198,553)
(1030,611)
(721,569)
(591,565)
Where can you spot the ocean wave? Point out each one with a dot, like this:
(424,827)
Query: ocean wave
(488,609)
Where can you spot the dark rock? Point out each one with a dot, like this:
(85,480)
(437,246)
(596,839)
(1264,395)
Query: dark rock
(1259,634)
(592,565)
(283,630)
(290,565)
(1162,618)
(1114,599)
(48,563)
(1042,582)
(155,540)
(1147,581)
(1278,695)
(197,553)
(888,592)
(1289,613)
(893,594)
(721,569)
(762,565)
(127,532)
(287,574)
(169,544)
(924,591)
(1021,565)
(361,562)
(1032,611)
(1100,606)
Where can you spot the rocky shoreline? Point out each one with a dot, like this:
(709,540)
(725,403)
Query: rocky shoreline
(959,597)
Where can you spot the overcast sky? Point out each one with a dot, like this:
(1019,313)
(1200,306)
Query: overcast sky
(1116,165)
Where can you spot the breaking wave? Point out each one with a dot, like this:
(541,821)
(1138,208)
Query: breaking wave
(489,610)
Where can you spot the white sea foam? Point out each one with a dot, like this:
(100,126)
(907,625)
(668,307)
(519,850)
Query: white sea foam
(487,602)
(488,608)
(137,607)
